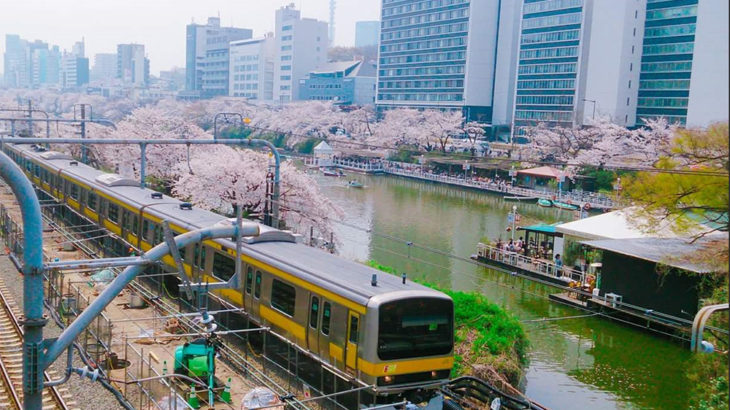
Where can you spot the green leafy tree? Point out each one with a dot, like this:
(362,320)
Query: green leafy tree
(690,182)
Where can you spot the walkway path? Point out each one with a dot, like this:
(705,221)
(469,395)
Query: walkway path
(594,200)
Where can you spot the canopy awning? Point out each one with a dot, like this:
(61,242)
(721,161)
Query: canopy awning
(628,223)
(544,228)
(544,172)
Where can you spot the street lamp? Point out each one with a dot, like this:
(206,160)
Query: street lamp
(594,107)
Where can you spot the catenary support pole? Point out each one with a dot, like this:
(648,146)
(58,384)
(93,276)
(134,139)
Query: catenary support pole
(117,285)
(32,280)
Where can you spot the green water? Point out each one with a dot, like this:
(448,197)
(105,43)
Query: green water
(575,363)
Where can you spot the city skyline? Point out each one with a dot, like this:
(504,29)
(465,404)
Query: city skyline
(150,23)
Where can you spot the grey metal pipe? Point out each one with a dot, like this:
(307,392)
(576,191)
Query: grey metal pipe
(101,121)
(117,285)
(32,279)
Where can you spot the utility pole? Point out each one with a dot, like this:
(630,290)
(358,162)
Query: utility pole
(30,116)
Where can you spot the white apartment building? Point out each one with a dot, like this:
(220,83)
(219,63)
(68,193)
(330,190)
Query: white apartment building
(301,46)
(252,68)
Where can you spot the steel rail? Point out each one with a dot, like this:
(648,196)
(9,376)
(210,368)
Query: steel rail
(56,395)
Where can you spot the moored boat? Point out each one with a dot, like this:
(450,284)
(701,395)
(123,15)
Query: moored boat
(355,184)
(545,203)
(565,205)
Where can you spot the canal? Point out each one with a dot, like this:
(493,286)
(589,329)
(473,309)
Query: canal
(575,362)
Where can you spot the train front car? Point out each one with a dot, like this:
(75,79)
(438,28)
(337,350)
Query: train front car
(413,352)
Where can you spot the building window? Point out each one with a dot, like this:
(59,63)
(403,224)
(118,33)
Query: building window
(285,78)
(629,83)
(285,58)
(286,28)
(286,68)
(285,48)
(627,100)
(283,297)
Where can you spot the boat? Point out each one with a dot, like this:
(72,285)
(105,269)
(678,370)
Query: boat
(565,205)
(355,184)
(545,203)
(519,198)
(332,173)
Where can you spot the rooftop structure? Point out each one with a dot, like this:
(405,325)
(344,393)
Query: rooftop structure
(342,82)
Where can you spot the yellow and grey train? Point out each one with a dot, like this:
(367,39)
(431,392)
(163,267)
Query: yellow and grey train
(396,335)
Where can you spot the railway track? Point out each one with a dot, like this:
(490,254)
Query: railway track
(11,361)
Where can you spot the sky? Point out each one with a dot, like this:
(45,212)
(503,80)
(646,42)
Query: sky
(160,24)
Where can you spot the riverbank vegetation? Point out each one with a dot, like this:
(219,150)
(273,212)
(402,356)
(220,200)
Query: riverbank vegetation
(692,185)
(489,342)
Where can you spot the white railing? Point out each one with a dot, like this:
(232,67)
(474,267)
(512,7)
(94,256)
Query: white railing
(595,200)
(534,265)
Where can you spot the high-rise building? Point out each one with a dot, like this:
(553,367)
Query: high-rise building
(578,59)
(684,62)
(301,45)
(367,33)
(438,54)
(206,56)
(16,62)
(105,67)
(74,71)
(252,68)
(132,65)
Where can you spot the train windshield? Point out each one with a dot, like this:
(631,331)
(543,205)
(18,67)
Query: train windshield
(415,327)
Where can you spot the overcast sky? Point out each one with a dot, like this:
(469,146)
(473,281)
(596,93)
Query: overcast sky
(159,24)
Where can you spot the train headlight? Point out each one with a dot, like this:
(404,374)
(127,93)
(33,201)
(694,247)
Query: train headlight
(388,379)
(434,374)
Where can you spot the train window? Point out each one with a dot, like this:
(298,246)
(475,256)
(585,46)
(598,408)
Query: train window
(223,266)
(314,312)
(145,229)
(283,297)
(353,329)
(91,201)
(74,191)
(249,279)
(37,171)
(159,234)
(135,224)
(326,313)
(126,220)
(113,213)
(28,165)
(257,287)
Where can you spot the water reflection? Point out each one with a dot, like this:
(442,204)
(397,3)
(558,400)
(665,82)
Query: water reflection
(575,363)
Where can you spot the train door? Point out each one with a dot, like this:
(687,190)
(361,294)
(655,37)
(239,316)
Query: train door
(324,331)
(313,328)
(353,329)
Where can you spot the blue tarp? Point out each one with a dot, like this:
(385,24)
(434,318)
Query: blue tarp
(541,228)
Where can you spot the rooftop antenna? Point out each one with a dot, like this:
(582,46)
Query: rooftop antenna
(332,22)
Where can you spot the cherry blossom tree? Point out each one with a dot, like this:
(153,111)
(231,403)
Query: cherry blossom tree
(439,127)
(600,143)
(147,124)
(222,176)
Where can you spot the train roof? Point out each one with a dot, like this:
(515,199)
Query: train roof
(275,247)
